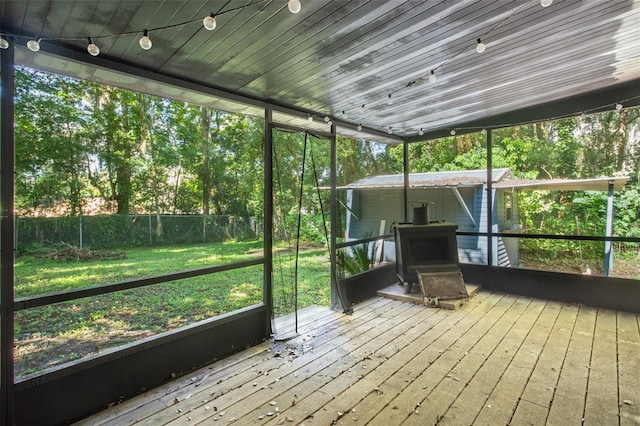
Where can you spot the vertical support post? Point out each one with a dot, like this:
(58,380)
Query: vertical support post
(267,285)
(608,245)
(337,299)
(7,233)
(489,200)
(405,187)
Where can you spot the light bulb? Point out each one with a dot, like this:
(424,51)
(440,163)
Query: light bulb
(93,48)
(359,127)
(432,76)
(310,118)
(326,118)
(362,107)
(344,114)
(209,22)
(330,123)
(545,3)
(294,6)
(33,45)
(390,100)
(480,47)
(390,131)
(421,132)
(618,106)
(145,41)
(453,132)
(4,44)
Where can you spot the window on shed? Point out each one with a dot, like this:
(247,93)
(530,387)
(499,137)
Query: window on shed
(508,206)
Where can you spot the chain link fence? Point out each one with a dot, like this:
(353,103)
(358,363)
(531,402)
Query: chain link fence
(117,231)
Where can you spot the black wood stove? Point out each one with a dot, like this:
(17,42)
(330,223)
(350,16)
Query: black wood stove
(428,254)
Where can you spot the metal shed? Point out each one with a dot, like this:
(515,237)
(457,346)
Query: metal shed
(457,197)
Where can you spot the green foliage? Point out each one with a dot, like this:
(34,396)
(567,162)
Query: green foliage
(353,260)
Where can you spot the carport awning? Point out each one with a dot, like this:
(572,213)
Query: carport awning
(595,184)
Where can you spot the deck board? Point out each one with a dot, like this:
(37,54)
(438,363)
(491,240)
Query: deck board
(602,388)
(540,388)
(499,359)
(569,397)
(473,398)
(629,368)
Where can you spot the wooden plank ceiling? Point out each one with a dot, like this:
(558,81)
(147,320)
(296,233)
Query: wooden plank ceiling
(333,57)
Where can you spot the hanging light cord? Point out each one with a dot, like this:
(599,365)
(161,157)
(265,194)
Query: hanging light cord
(125,33)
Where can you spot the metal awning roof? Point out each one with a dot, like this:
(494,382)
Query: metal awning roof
(501,178)
(336,56)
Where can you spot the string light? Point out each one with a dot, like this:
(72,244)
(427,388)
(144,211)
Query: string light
(209,22)
(33,45)
(145,41)
(330,123)
(326,118)
(294,6)
(93,48)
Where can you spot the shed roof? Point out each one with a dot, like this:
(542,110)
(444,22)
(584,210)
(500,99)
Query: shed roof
(456,178)
(501,178)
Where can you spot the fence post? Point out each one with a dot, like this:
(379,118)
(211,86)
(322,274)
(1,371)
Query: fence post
(80,218)
(204,228)
(150,238)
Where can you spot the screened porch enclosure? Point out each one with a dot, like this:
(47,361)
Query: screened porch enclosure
(531,345)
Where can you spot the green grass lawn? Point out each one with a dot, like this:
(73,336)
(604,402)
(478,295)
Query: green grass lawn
(51,335)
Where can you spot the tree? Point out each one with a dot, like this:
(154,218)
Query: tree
(50,141)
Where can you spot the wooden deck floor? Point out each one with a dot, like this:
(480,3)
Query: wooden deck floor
(499,359)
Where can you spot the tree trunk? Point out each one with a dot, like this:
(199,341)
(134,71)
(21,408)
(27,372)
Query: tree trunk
(122,193)
(205,116)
